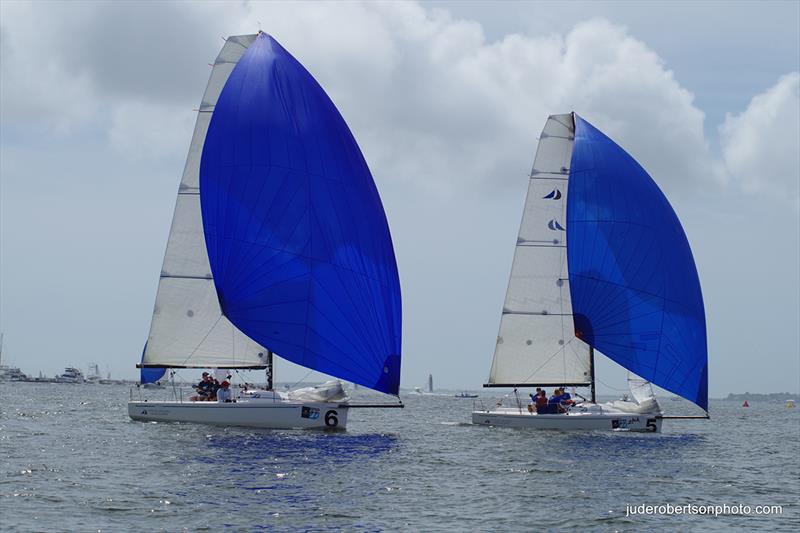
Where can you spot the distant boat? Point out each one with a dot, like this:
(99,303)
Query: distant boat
(279,243)
(790,404)
(94,374)
(107,380)
(9,373)
(745,404)
(70,375)
(602,263)
(43,379)
(466,395)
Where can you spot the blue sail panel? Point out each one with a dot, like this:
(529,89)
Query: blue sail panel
(297,238)
(151,374)
(633,282)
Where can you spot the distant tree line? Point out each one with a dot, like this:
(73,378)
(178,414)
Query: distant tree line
(772,397)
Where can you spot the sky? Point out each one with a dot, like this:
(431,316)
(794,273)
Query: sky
(446,100)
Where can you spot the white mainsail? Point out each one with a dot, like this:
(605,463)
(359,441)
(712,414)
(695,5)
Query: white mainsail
(536,344)
(188,328)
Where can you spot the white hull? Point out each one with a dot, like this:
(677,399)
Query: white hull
(577,421)
(248,413)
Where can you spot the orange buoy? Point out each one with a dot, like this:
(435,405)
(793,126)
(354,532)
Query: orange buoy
(745,404)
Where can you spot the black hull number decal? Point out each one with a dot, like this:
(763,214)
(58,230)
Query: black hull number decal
(331,419)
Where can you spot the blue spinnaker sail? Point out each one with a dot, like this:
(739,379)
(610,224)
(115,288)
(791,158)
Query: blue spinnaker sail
(151,374)
(297,239)
(633,282)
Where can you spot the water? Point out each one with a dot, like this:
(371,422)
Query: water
(71,460)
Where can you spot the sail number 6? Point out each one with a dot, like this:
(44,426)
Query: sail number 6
(331,419)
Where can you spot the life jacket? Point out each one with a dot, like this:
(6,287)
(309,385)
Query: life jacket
(541,401)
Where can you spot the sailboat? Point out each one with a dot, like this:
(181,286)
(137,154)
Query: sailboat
(9,373)
(601,264)
(279,246)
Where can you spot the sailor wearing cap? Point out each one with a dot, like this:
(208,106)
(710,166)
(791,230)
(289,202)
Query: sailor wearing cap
(224,392)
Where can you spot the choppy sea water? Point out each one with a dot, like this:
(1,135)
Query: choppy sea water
(72,460)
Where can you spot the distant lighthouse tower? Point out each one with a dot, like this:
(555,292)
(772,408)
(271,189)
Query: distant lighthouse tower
(430,382)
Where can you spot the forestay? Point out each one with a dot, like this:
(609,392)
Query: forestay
(296,234)
(635,290)
(536,343)
(188,328)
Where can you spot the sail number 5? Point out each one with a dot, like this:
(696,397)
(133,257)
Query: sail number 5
(331,419)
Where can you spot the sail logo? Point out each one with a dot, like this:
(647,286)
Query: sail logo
(555,226)
(312,413)
(555,195)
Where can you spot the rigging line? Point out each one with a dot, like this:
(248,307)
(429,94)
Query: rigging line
(214,325)
(548,360)
(301,379)
(609,386)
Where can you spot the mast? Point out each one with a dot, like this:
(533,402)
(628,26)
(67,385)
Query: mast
(269,369)
(591,373)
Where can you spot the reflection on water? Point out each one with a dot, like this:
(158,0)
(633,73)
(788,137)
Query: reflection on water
(243,449)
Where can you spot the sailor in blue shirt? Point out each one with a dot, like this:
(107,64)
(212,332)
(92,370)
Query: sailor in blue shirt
(556,397)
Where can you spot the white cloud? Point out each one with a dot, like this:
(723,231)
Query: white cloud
(761,145)
(139,130)
(432,103)
(37,90)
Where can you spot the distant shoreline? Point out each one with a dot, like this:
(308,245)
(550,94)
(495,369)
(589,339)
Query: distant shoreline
(769,397)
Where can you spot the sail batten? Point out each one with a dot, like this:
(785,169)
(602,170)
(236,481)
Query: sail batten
(635,291)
